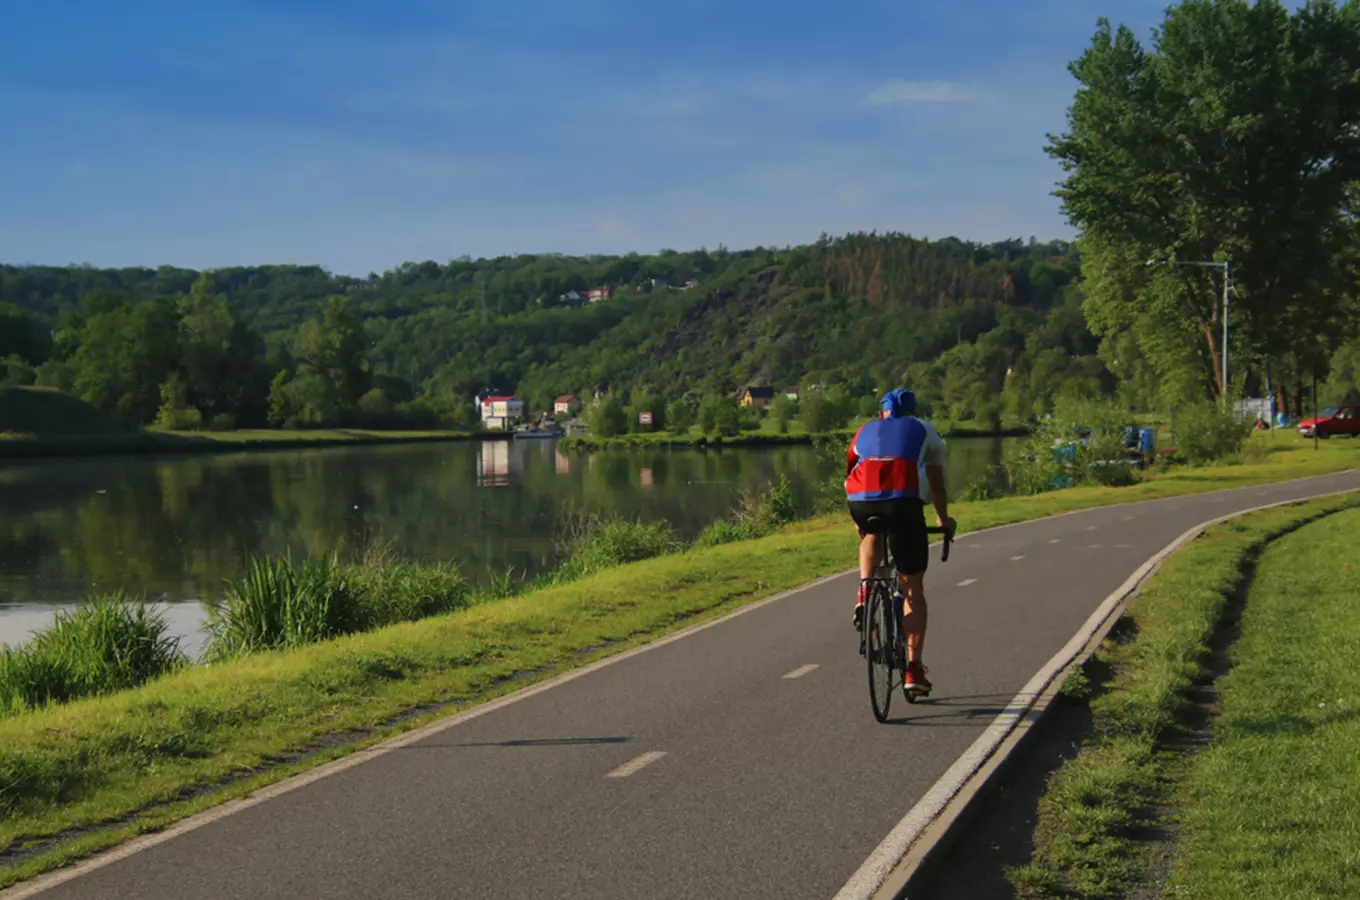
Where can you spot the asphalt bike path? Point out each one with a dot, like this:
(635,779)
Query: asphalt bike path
(741,760)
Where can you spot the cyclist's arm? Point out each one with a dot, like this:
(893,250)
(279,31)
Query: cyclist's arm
(939,494)
(851,457)
(932,455)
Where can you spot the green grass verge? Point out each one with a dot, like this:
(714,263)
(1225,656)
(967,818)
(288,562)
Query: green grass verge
(100,759)
(1270,809)
(1086,838)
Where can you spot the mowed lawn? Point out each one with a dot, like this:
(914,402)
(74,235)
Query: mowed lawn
(1272,808)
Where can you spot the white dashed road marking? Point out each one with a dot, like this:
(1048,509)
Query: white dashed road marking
(967,581)
(1017,558)
(633,766)
(1090,528)
(1055,540)
(802,670)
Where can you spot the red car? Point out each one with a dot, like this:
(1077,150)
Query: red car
(1336,420)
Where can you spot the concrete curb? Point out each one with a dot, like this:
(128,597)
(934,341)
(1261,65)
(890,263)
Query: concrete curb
(900,863)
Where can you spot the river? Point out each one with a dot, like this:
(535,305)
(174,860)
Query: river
(173,528)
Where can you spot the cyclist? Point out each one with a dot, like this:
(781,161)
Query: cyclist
(883,478)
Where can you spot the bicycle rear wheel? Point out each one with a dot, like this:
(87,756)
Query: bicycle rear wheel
(880,641)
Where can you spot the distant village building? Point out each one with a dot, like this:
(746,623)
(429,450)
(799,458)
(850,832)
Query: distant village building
(791,393)
(595,295)
(500,413)
(566,405)
(757,396)
(693,282)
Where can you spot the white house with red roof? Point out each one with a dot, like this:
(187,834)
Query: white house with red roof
(500,411)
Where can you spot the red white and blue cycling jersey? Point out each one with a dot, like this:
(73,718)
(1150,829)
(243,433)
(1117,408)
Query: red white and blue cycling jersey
(885,459)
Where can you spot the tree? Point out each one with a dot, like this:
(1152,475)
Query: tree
(218,352)
(727,416)
(824,410)
(20,336)
(782,412)
(124,356)
(645,401)
(607,418)
(708,414)
(679,417)
(332,371)
(1237,137)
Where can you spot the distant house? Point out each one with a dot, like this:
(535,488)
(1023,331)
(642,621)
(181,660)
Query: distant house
(595,295)
(757,396)
(500,413)
(693,282)
(570,297)
(566,405)
(660,283)
(791,394)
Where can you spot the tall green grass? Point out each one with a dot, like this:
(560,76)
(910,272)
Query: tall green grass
(109,644)
(592,543)
(279,605)
(756,515)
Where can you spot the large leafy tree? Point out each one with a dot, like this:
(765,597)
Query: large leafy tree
(1236,137)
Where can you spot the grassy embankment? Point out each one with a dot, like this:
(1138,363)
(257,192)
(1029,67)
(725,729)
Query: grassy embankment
(1269,809)
(98,760)
(38,422)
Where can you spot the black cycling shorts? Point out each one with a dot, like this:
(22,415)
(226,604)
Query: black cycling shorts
(906,529)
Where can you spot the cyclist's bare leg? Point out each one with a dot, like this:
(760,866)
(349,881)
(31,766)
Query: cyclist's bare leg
(868,556)
(914,613)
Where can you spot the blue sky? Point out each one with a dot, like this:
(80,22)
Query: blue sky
(359,135)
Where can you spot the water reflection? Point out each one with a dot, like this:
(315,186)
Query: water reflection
(175,527)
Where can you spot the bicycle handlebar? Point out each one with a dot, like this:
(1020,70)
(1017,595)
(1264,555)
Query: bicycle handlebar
(948,539)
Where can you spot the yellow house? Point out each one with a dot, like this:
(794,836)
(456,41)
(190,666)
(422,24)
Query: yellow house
(757,396)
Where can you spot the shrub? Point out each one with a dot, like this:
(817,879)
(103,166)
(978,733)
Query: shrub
(983,487)
(403,591)
(1206,434)
(592,543)
(110,643)
(777,504)
(725,531)
(275,605)
(1081,443)
(179,418)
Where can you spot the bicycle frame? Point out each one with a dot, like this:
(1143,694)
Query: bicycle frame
(880,589)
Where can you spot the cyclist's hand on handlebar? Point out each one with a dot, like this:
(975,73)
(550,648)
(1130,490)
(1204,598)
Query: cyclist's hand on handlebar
(948,523)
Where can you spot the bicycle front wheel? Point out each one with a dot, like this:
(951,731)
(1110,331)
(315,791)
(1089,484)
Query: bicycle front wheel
(879,641)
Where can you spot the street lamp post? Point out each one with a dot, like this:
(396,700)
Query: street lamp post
(1227,282)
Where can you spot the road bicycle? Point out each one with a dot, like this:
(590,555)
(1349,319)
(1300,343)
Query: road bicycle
(882,643)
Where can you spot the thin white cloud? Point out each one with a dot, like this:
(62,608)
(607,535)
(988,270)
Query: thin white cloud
(919,92)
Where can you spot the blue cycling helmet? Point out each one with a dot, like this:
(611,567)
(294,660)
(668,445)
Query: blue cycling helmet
(898,403)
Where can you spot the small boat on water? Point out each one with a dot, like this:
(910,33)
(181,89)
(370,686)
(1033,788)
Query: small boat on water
(538,433)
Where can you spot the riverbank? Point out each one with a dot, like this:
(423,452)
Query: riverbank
(1123,815)
(763,438)
(89,774)
(151,441)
